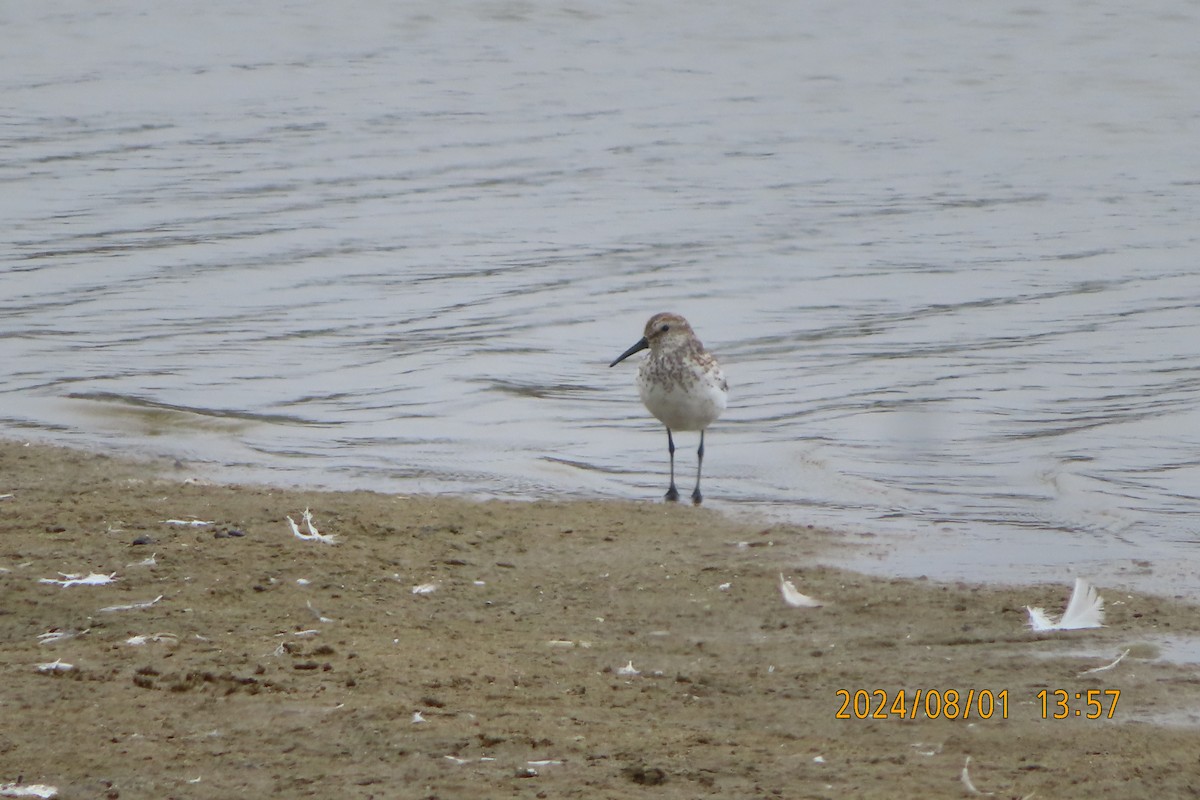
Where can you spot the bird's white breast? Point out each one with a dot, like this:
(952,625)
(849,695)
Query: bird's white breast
(684,396)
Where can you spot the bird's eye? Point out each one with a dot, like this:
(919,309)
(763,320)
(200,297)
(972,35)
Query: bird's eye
(665,328)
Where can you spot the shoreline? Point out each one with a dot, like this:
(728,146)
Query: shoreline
(568,648)
(918,550)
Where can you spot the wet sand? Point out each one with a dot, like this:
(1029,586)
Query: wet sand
(279,667)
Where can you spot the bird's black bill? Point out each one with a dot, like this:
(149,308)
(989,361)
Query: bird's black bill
(641,345)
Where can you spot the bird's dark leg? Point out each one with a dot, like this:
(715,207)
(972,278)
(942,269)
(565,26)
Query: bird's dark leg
(672,493)
(698,498)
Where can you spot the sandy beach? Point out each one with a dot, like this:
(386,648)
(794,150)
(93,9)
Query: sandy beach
(552,649)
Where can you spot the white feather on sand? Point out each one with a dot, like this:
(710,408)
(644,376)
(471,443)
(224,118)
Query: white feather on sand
(53,637)
(1105,667)
(968,784)
(28,790)
(1085,609)
(313,534)
(132,606)
(794,598)
(145,638)
(94,579)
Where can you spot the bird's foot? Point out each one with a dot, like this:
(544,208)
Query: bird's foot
(672,494)
(697,498)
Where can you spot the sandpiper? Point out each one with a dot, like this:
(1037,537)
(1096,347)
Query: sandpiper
(680,383)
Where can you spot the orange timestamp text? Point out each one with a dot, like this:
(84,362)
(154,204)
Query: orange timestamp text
(922,703)
(971,704)
(1090,704)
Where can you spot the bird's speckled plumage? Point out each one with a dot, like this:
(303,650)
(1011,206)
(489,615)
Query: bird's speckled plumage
(680,383)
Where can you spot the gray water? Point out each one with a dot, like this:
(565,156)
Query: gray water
(946,252)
